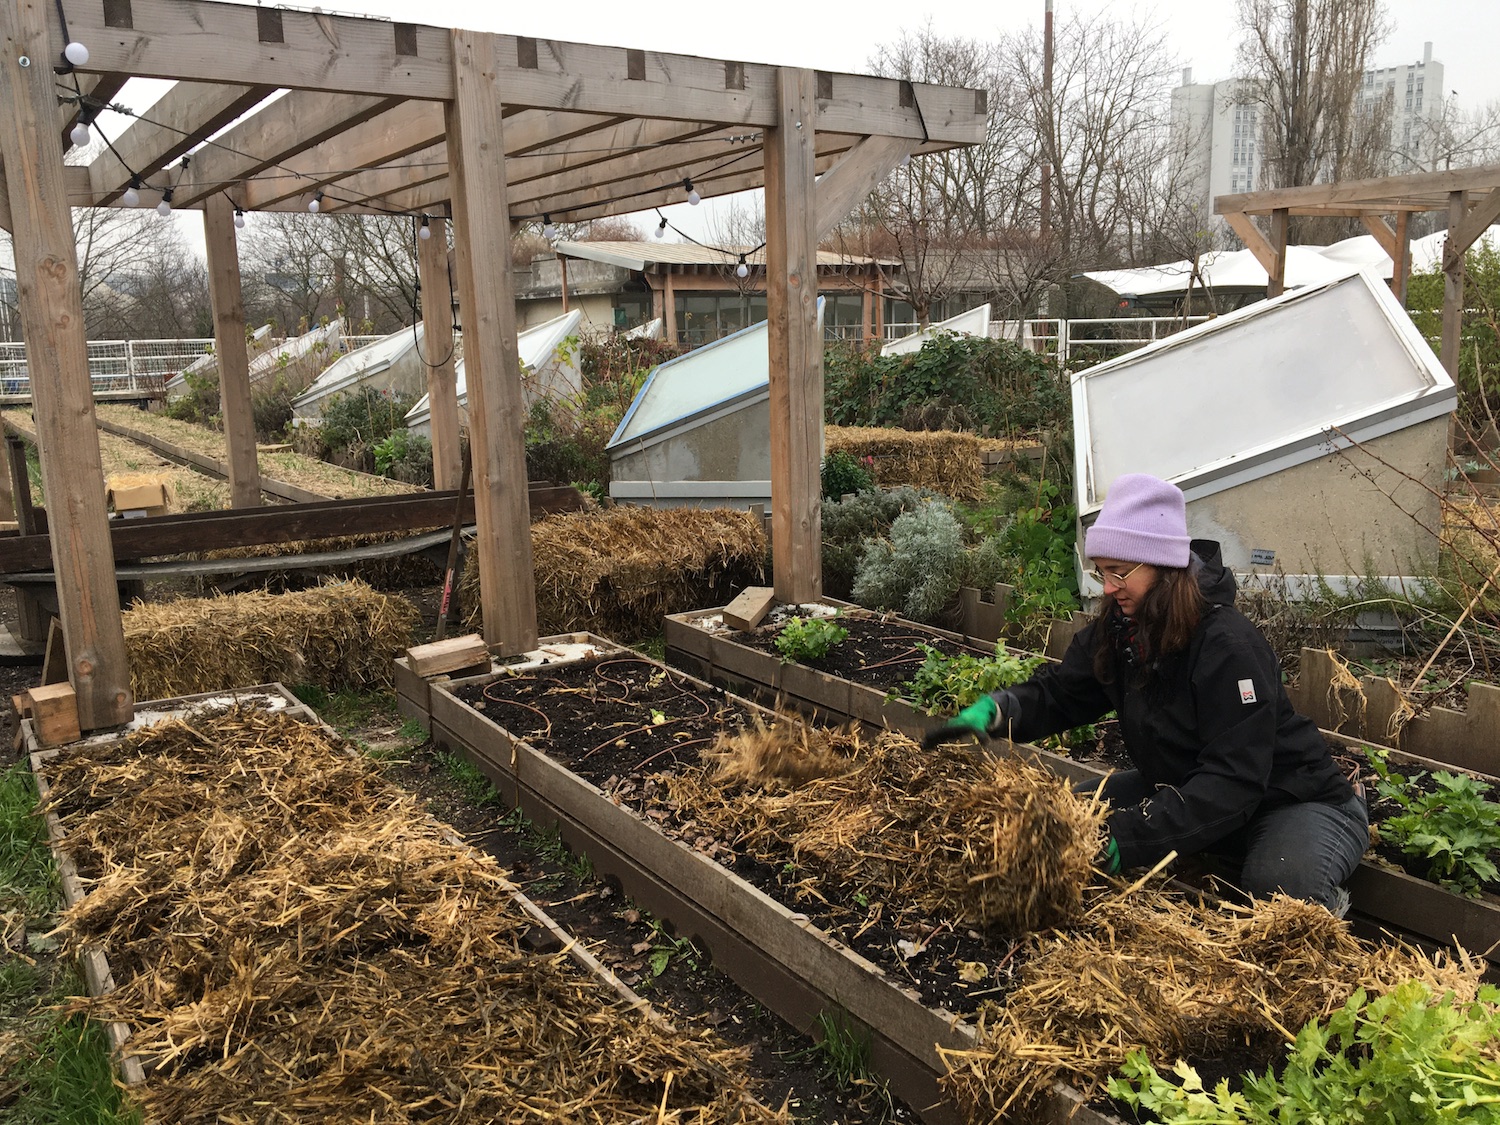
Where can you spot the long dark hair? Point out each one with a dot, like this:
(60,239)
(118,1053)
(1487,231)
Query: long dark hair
(1164,623)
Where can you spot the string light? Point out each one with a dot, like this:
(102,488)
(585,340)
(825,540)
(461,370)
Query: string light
(424,232)
(661,229)
(76,53)
(164,208)
(549,229)
(742,270)
(692,193)
(316,203)
(131,196)
(239,219)
(80,135)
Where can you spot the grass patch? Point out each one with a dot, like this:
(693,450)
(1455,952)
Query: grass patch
(654,647)
(472,784)
(349,708)
(28,879)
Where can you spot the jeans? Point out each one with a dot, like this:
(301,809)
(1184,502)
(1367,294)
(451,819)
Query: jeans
(1304,850)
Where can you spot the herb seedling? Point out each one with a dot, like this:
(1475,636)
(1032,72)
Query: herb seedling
(805,640)
(946,684)
(1454,828)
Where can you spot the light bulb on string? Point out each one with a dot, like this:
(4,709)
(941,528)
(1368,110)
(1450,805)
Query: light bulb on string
(76,53)
(239,219)
(742,270)
(131,196)
(661,229)
(549,228)
(692,193)
(164,208)
(316,203)
(80,135)
(424,232)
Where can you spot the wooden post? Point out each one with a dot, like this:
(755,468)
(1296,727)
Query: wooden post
(562,265)
(32,620)
(232,347)
(1453,287)
(796,352)
(51,301)
(1401,260)
(437,353)
(1276,284)
(497,413)
(669,305)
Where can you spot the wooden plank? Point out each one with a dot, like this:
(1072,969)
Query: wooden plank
(233,355)
(795,345)
(1254,241)
(1453,290)
(54,713)
(750,608)
(55,659)
(1401,262)
(447,655)
(1381,231)
(51,307)
(849,182)
(272,134)
(1276,283)
(497,414)
(32,621)
(438,351)
(183,117)
(1476,221)
(1419,187)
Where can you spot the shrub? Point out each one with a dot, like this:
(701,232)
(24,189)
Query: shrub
(404,456)
(848,523)
(919,569)
(843,474)
(809,639)
(200,404)
(355,423)
(567,445)
(271,407)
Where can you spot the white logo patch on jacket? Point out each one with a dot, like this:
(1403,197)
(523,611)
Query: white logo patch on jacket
(1247,691)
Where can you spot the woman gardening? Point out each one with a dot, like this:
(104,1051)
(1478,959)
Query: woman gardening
(1223,764)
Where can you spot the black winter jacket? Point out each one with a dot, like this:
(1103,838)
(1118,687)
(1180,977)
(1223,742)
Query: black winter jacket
(1212,727)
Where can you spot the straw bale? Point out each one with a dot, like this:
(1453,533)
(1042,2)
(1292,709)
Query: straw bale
(984,840)
(294,940)
(617,571)
(1178,979)
(343,635)
(945,462)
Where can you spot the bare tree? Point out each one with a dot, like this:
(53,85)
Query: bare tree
(1304,63)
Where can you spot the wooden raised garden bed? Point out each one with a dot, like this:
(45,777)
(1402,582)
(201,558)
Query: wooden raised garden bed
(775,953)
(748,663)
(699,1074)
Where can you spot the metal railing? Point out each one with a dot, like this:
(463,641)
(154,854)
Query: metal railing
(1062,338)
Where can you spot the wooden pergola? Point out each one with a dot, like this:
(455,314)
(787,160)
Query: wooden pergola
(1471,196)
(383,117)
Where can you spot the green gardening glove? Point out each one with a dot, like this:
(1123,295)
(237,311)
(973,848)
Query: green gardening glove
(976,719)
(1108,859)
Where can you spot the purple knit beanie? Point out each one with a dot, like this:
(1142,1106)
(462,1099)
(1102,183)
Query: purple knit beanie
(1144,520)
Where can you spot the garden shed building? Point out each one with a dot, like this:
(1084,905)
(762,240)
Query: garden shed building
(698,433)
(549,369)
(395,363)
(1309,433)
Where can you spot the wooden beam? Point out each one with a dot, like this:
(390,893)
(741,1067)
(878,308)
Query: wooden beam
(1381,231)
(796,350)
(351,193)
(407,128)
(234,358)
(214,42)
(1378,193)
(849,182)
(51,300)
(1401,261)
(437,353)
(1453,289)
(1276,283)
(1476,221)
(1255,242)
(184,116)
(5,219)
(276,132)
(492,367)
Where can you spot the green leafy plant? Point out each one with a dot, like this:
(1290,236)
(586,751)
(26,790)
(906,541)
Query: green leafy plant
(919,569)
(1405,1058)
(946,684)
(1454,827)
(847,524)
(667,950)
(843,474)
(403,455)
(809,639)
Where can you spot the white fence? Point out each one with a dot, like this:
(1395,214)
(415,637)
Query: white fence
(129,365)
(1103,337)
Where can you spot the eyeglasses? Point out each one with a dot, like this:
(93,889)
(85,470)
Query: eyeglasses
(1106,577)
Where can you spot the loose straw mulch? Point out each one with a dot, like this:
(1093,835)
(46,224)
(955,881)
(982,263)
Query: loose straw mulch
(945,462)
(1154,972)
(338,636)
(393,572)
(294,940)
(982,840)
(617,571)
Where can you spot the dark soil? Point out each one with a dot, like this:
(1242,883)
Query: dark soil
(623,698)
